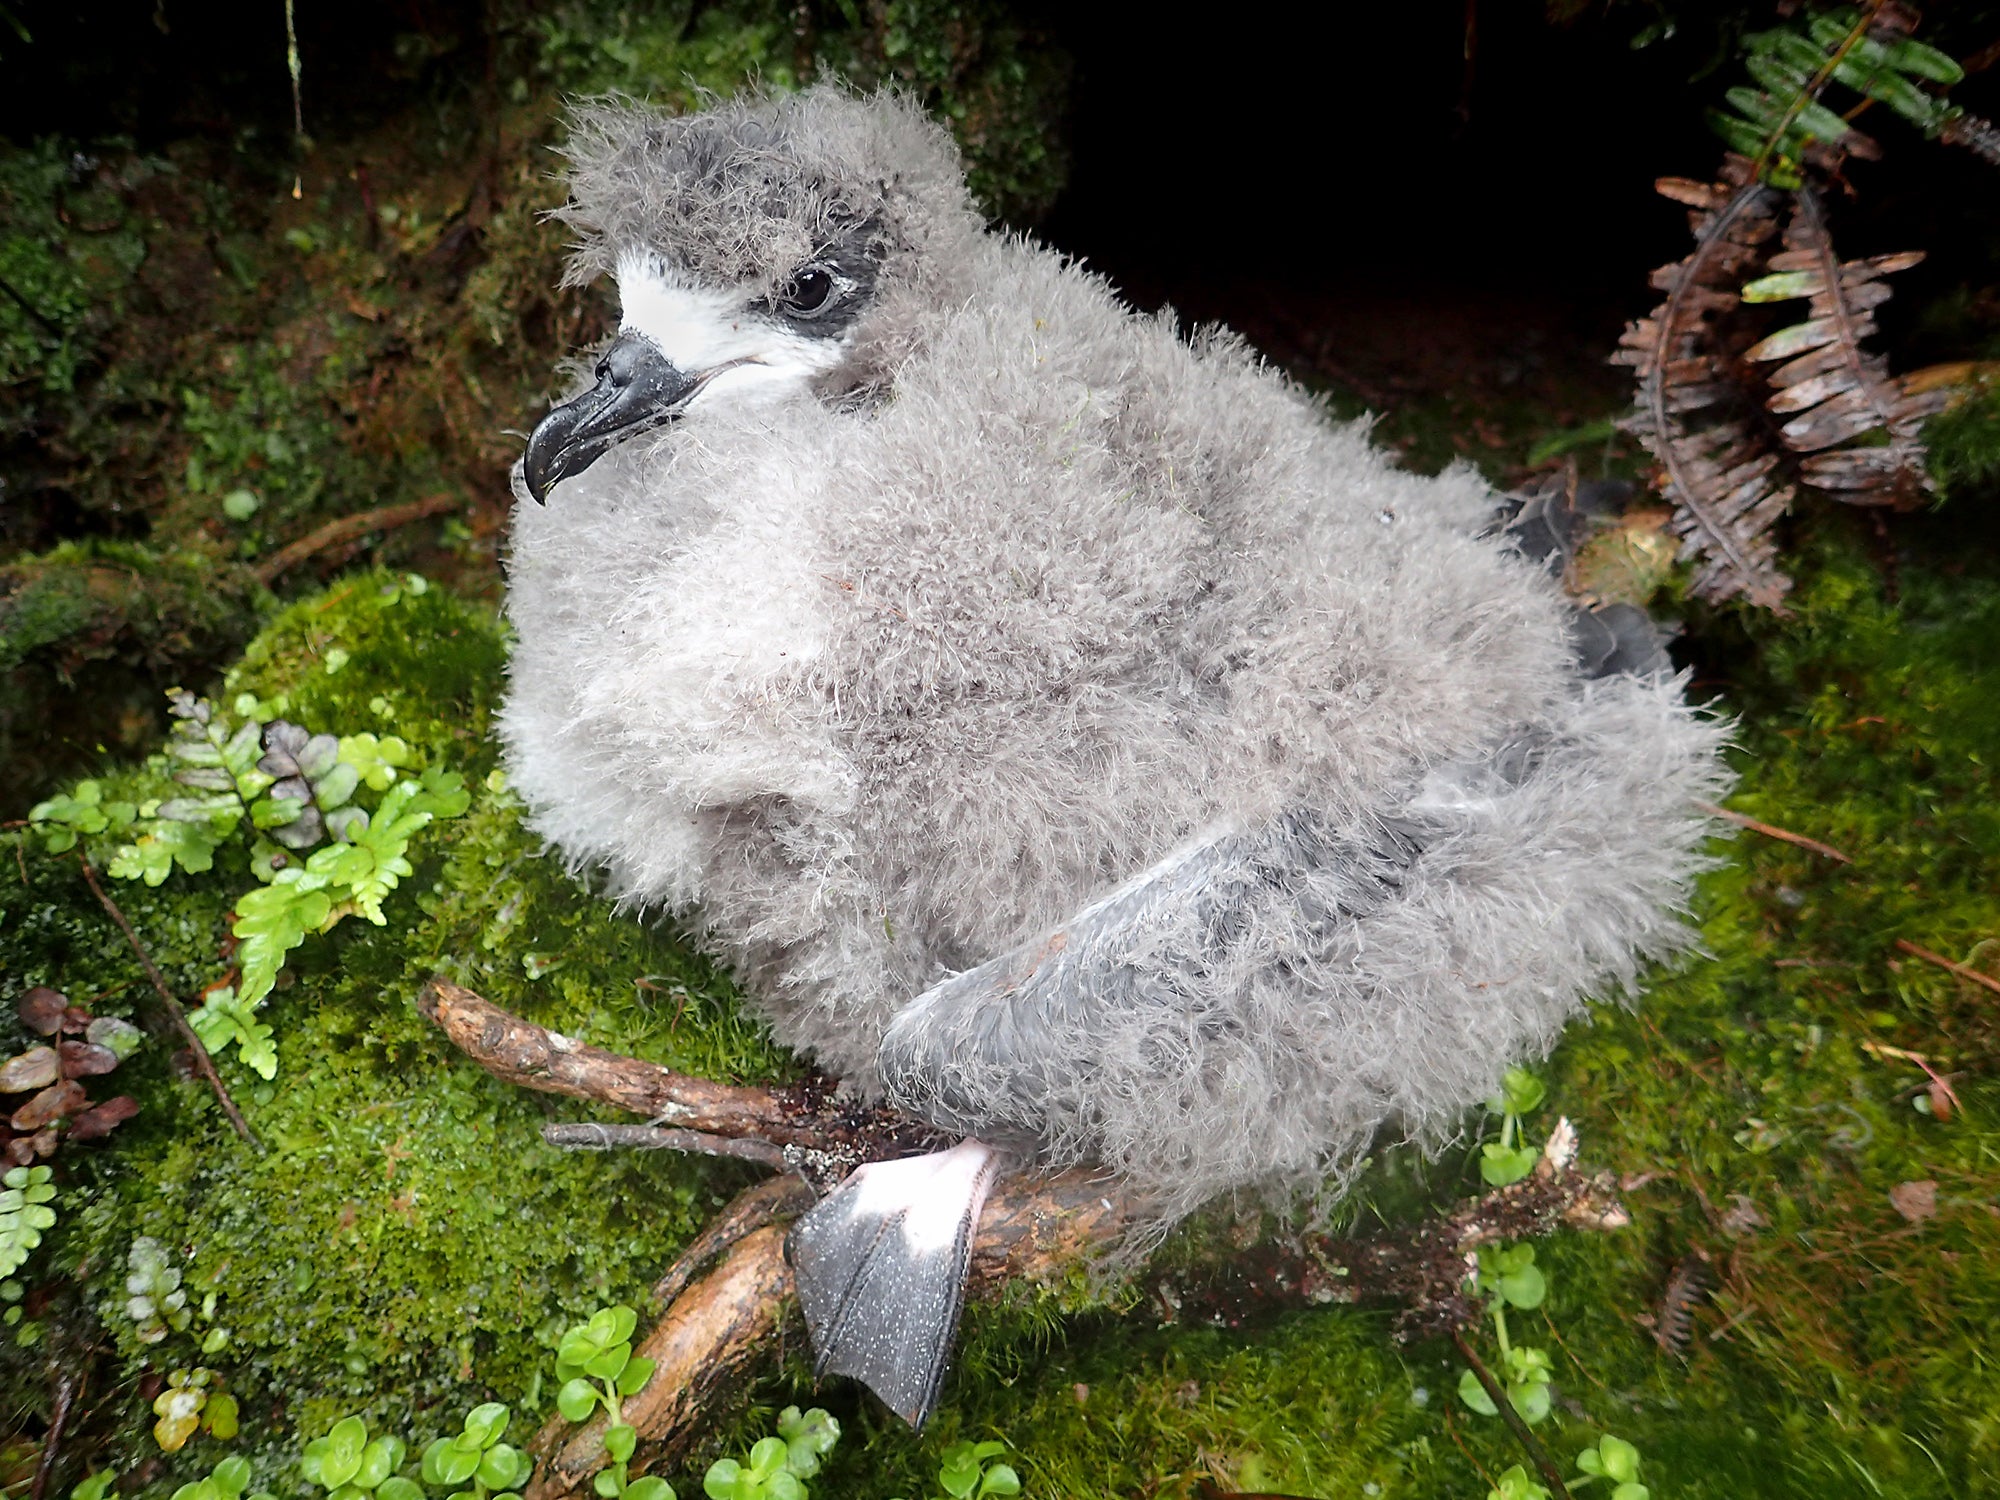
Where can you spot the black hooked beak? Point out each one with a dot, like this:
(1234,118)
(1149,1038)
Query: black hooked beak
(638,388)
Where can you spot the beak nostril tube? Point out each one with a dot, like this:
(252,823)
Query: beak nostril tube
(638,388)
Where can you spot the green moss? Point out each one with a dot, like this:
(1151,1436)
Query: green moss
(67,256)
(1964,446)
(86,632)
(405,1245)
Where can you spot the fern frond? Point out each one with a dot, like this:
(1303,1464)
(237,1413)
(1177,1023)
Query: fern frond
(1715,464)
(1859,429)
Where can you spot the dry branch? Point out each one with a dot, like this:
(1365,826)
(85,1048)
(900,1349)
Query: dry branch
(347,529)
(1037,1228)
(1503,1404)
(1773,831)
(823,1135)
(588,1135)
(1963,971)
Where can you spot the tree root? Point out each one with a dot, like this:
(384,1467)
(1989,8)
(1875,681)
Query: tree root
(1038,1227)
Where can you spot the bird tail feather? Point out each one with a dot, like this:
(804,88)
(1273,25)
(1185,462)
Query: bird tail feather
(880,1266)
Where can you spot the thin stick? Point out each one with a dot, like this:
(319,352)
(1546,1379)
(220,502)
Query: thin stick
(67,1383)
(766,1202)
(806,1116)
(1961,970)
(201,1058)
(346,529)
(1772,831)
(1550,1473)
(589,1136)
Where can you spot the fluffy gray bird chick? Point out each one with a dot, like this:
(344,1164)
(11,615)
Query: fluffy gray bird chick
(1060,725)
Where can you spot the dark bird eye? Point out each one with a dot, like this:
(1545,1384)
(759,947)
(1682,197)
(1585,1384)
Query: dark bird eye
(809,292)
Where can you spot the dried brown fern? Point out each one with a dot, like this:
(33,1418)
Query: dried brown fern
(1731,450)
(1976,135)
(1716,464)
(1673,1319)
(1860,430)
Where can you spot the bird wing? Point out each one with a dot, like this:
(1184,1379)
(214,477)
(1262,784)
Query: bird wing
(1006,1051)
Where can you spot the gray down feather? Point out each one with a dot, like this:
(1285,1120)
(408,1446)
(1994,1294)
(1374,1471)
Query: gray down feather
(1171,780)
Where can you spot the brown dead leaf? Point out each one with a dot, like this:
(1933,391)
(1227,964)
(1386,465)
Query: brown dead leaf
(36,1068)
(1915,1201)
(42,1009)
(1742,1216)
(87,1060)
(104,1118)
(50,1105)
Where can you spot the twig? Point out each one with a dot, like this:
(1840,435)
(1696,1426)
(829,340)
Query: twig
(1963,971)
(589,1136)
(1551,1475)
(66,1383)
(346,529)
(767,1202)
(1811,91)
(1772,831)
(201,1058)
(827,1135)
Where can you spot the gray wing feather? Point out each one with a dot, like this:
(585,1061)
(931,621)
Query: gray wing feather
(990,1052)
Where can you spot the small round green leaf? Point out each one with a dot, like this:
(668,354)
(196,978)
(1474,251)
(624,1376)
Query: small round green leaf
(524,1465)
(341,1460)
(1525,1288)
(378,1462)
(620,1441)
(577,1400)
(767,1456)
(632,1379)
(496,1467)
(483,1426)
(1621,1459)
(1473,1394)
(433,1471)
(606,1484)
(1530,1400)
(719,1483)
(652,1487)
(610,1364)
(784,1485)
(455,1465)
(396,1487)
(232,1475)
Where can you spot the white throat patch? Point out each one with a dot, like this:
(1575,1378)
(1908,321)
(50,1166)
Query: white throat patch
(703,328)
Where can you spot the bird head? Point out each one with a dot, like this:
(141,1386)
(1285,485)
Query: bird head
(765,249)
